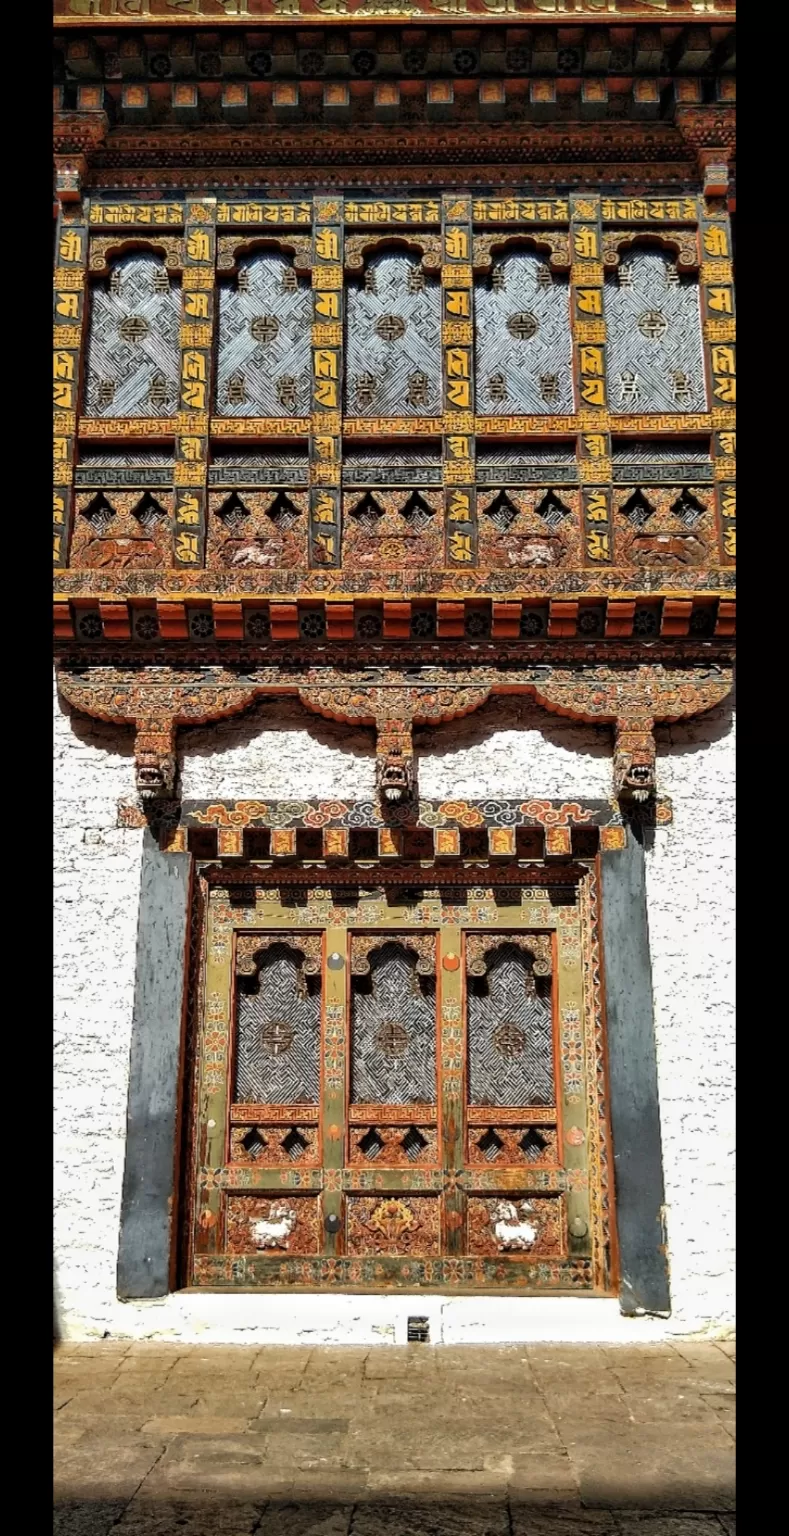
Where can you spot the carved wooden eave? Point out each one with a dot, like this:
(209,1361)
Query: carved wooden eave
(642,86)
(156,700)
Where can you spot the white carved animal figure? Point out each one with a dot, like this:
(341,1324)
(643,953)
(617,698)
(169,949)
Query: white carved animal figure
(509,1228)
(274,1230)
(533,553)
(253,554)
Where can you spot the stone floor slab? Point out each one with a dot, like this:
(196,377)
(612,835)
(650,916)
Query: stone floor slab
(286,1519)
(85,1470)
(196,1425)
(298,1424)
(667,1525)
(574,1439)
(669,1406)
(207,1516)
(237,1464)
(528,1520)
(442,1516)
(243,1404)
(78,1517)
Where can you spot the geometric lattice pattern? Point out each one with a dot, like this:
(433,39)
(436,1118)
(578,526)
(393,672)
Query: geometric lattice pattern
(524,360)
(133,343)
(393,1030)
(263,364)
(510,1035)
(393,364)
(654,355)
(278,1036)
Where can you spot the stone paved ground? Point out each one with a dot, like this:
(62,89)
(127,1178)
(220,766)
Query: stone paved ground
(528,1440)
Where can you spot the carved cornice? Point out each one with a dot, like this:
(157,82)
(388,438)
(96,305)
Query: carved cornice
(79,132)
(132,14)
(708,127)
(76,138)
(676,168)
(712,133)
(320,146)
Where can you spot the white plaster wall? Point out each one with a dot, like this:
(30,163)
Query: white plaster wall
(690,902)
(508,750)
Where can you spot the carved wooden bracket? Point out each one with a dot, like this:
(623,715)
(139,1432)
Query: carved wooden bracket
(712,133)
(394,711)
(70,171)
(155,703)
(156,700)
(633,700)
(359,248)
(76,135)
(683,243)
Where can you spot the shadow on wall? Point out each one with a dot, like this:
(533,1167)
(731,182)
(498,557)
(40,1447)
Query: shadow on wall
(513,714)
(270,716)
(117,739)
(432,743)
(685,737)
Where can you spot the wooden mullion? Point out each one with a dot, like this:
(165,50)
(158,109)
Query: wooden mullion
(589,361)
(214,1069)
(334,1090)
(573,1063)
(325,450)
(718,315)
(197,336)
(450,999)
(457,350)
(70,319)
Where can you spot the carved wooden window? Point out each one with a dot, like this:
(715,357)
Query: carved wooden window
(523,341)
(400,1089)
(654,353)
(133,353)
(263,362)
(393,360)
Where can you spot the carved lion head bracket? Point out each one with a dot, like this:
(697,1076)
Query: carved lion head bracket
(394,710)
(634,761)
(395,778)
(155,761)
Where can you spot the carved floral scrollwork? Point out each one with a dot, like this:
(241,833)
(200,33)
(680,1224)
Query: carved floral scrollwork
(683,243)
(364,945)
(359,247)
(480,946)
(104,248)
(554,242)
(251,947)
(230,249)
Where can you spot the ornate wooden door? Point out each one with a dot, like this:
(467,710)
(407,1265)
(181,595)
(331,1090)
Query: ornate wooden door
(400,1087)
